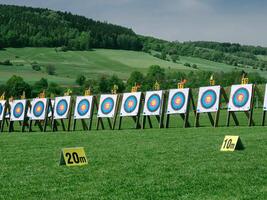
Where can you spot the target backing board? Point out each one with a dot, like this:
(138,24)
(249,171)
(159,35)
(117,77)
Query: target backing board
(83,107)
(130,104)
(2,109)
(208,99)
(61,107)
(240,97)
(265,99)
(38,109)
(153,101)
(18,109)
(177,101)
(107,105)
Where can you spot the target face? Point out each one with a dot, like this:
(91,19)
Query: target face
(2,108)
(130,104)
(153,103)
(265,99)
(208,99)
(177,101)
(240,97)
(18,110)
(83,107)
(61,108)
(38,109)
(107,105)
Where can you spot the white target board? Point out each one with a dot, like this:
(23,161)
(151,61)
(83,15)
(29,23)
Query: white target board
(2,109)
(153,103)
(18,110)
(240,97)
(265,99)
(177,101)
(107,105)
(83,107)
(38,109)
(208,99)
(62,107)
(130,104)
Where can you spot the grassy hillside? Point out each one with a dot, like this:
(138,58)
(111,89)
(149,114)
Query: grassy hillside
(92,63)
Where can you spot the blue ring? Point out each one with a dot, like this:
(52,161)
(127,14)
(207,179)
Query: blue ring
(79,107)
(174,97)
(126,103)
(36,105)
(1,109)
(18,105)
(207,93)
(154,108)
(103,109)
(65,104)
(245,93)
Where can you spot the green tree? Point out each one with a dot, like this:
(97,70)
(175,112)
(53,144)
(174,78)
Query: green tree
(15,87)
(80,79)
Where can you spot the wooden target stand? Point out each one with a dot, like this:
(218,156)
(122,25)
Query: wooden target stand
(136,119)
(55,122)
(160,117)
(4,119)
(111,123)
(249,114)
(87,123)
(23,123)
(185,115)
(41,124)
(214,120)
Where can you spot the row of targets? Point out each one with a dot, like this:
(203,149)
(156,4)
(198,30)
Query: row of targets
(131,105)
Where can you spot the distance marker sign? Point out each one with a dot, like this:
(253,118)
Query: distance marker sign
(73,157)
(231,143)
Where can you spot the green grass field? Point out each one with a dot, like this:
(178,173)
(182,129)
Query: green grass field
(174,163)
(92,64)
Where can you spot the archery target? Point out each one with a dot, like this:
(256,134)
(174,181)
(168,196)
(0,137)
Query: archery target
(208,99)
(38,109)
(265,99)
(2,109)
(240,97)
(61,107)
(177,101)
(107,105)
(83,107)
(153,103)
(130,104)
(18,110)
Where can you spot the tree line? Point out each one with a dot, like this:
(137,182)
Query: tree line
(167,79)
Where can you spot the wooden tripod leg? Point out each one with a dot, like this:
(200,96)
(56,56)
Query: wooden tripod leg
(263,118)
(167,121)
(149,121)
(211,119)
(120,120)
(74,125)
(144,122)
(197,120)
(217,115)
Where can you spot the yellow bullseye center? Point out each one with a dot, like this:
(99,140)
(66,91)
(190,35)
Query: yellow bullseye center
(17,110)
(107,106)
(178,101)
(130,104)
(83,107)
(240,97)
(153,102)
(61,107)
(208,99)
(38,109)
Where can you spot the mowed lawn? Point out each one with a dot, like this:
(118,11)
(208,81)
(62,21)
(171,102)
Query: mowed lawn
(173,163)
(92,64)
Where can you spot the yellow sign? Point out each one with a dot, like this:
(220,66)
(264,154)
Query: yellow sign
(73,157)
(231,143)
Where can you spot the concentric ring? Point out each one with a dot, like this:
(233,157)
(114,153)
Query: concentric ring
(62,107)
(130,104)
(153,103)
(208,99)
(107,105)
(18,110)
(83,107)
(177,101)
(240,97)
(38,109)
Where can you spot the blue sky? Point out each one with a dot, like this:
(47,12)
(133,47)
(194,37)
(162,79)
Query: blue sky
(240,21)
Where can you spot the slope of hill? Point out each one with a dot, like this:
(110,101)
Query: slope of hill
(93,63)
